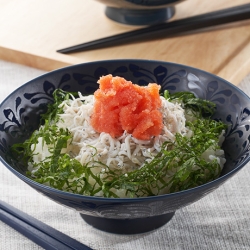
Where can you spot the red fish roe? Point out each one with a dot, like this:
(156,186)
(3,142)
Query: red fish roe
(121,105)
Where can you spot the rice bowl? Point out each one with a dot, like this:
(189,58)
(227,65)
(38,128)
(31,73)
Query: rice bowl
(20,113)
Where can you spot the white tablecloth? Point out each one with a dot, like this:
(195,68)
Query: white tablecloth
(221,220)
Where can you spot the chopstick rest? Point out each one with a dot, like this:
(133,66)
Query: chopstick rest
(37,231)
(238,13)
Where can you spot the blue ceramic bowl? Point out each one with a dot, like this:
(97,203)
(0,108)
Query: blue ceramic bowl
(140,12)
(19,116)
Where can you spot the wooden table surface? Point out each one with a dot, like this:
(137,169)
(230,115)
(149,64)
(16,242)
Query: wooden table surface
(31,31)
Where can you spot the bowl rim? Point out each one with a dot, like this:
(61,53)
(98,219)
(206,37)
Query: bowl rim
(222,179)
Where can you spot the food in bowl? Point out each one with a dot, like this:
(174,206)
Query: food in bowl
(21,111)
(125,140)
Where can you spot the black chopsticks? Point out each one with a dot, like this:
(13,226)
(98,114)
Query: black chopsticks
(238,13)
(37,231)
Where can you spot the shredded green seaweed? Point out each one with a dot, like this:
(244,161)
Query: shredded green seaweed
(178,166)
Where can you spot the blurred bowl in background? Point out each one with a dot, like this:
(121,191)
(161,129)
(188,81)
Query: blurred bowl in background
(20,115)
(140,12)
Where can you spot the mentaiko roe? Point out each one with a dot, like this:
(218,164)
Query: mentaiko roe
(121,105)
